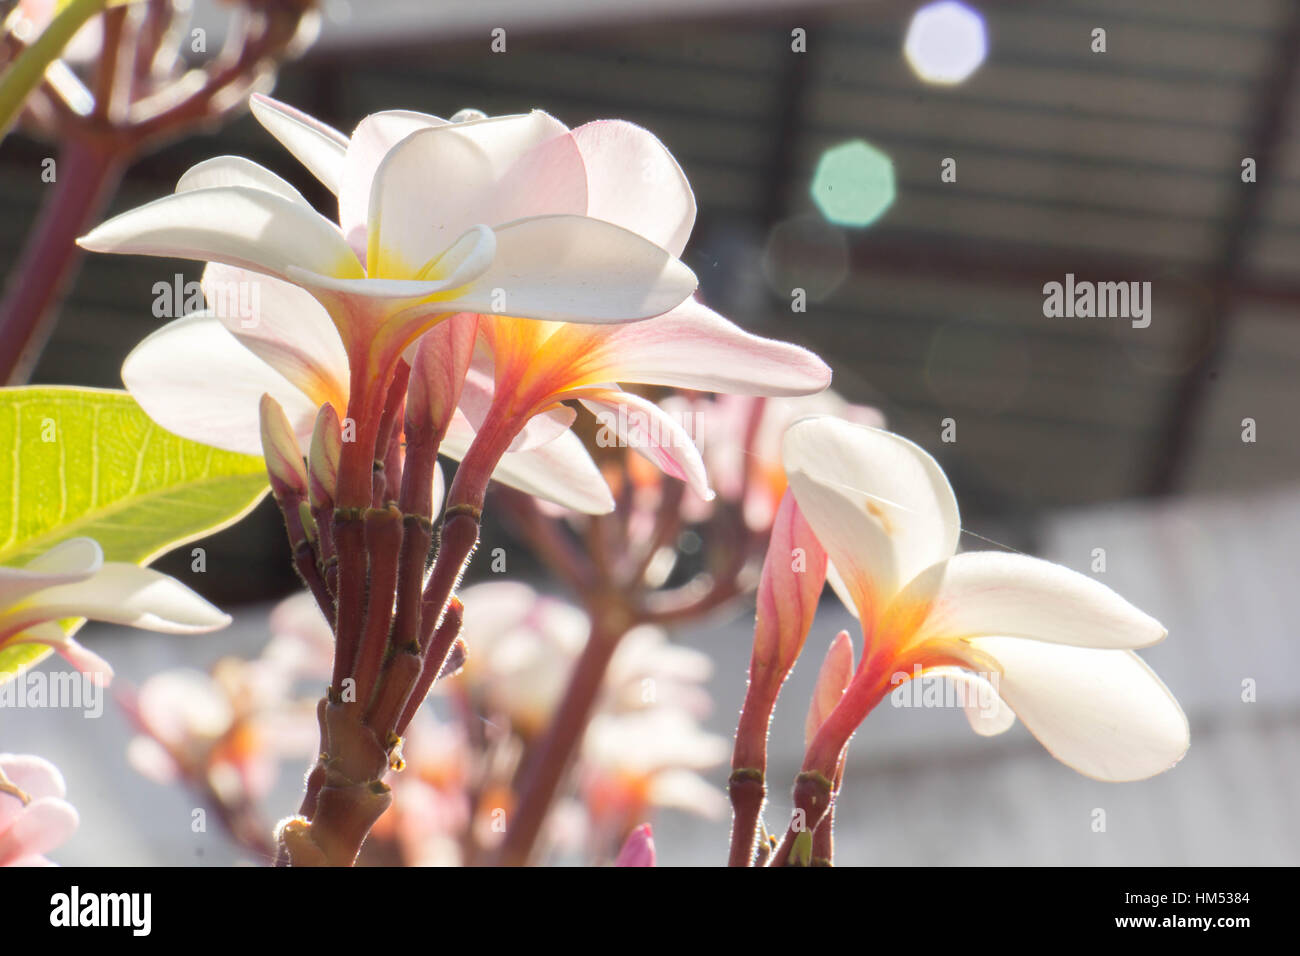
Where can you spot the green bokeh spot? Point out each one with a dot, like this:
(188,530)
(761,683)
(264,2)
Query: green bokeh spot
(853,184)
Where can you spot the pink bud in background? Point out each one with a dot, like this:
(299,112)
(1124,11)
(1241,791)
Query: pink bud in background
(638,849)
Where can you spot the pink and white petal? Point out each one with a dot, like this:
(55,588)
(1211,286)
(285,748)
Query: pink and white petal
(880,505)
(576,269)
(505,140)
(319,147)
(997,593)
(372,140)
(694,347)
(68,561)
(237,171)
(194,379)
(124,594)
(560,471)
(33,775)
(633,180)
(238,225)
(39,827)
(1103,712)
(640,424)
(988,714)
(283,325)
(549,179)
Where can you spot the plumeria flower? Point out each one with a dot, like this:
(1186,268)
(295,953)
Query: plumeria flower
(606,201)
(34,817)
(632,762)
(202,377)
(72,580)
(1030,638)
(482,215)
(232,726)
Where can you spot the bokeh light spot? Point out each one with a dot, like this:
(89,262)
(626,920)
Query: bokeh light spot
(853,184)
(945,42)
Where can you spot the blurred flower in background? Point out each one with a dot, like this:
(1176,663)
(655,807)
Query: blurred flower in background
(34,817)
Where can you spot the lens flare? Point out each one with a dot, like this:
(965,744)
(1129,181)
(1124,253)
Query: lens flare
(853,184)
(945,42)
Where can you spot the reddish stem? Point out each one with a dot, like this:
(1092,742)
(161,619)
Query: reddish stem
(549,763)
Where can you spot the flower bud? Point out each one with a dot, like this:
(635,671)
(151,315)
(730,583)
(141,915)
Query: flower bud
(638,849)
(794,572)
(323,460)
(280,448)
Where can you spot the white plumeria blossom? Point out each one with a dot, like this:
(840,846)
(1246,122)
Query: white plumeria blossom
(1058,644)
(602,213)
(72,580)
(435,217)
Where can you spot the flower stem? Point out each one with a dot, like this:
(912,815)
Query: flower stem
(550,762)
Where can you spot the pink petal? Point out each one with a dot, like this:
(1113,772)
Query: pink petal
(638,848)
(694,347)
(39,827)
(633,180)
(638,423)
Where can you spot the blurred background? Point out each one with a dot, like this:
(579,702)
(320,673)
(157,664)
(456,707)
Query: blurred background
(926,296)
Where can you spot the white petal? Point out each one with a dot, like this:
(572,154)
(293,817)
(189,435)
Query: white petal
(194,379)
(283,325)
(576,269)
(126,594)
(319,147)
(996,593)
(438,182)
(237,171)
(238,225)
(987,712)
(1103,712)
(372,140)
(633,180)
(68,561)
(878,503)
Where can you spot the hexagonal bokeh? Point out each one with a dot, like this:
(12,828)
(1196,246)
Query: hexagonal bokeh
(853,184)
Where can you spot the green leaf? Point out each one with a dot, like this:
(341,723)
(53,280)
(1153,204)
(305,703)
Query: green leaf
(80,462)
